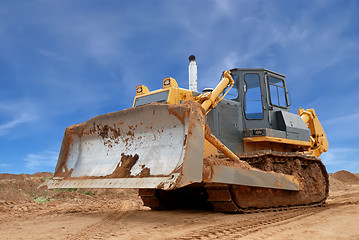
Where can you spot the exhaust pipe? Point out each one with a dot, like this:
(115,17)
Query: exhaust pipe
(192,70)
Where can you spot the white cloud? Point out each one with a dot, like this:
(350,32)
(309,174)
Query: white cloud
(224,8)
(336,154)
(341,158)
(354,118)
(233,60)
(4,165)
(23,118)
(96,35)
(224,5)
(342,128)
(16,112)
(41,160)
(51,54)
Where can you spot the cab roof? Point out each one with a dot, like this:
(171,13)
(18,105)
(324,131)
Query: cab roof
(257,69)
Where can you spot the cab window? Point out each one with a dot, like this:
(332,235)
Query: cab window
(277,92)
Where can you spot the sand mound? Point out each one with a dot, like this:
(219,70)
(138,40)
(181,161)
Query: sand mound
(336,185)
(10,196)
(346,177)
(13,176)
(42,174)
(19,188)
(16,188)
(25,176)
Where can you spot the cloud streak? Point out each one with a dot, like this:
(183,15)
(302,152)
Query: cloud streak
(5,165)
(338,158)
(42,160)
(15,113)
(5,128)
(343,119)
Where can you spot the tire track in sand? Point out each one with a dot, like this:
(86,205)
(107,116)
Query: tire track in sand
(242,228)
(235,230)
(226,228)
(105,227)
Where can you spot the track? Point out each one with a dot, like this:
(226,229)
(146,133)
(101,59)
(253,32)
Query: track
(247,199)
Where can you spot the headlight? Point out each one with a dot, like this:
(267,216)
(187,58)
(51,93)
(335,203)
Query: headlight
(167,82)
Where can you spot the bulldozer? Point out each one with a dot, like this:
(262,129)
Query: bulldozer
(234,148)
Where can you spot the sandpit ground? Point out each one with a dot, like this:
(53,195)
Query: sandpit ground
(27,212)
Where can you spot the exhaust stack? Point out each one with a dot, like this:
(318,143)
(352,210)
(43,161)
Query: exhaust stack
(192,70)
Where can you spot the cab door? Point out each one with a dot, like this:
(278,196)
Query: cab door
(253,98)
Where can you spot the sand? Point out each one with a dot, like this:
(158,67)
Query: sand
(346,177)
(119,214)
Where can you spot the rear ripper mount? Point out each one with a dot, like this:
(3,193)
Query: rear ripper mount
(247,199)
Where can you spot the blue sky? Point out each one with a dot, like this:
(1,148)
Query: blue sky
(63,62)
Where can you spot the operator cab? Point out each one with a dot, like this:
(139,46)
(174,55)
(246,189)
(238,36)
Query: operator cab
(258,90)
(257,107)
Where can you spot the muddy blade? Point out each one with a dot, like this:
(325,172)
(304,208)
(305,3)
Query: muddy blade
(152,146)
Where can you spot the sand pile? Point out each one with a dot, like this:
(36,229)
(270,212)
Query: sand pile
(25,176)
(16,188)
(336,185)
(346,177)
(19,196)
(23,188)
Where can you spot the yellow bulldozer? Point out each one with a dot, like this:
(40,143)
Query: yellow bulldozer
(234,148)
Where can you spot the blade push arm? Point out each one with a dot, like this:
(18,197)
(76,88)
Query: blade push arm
(211,99)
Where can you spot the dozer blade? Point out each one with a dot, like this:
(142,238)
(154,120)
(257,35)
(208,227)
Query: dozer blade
(153,146)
